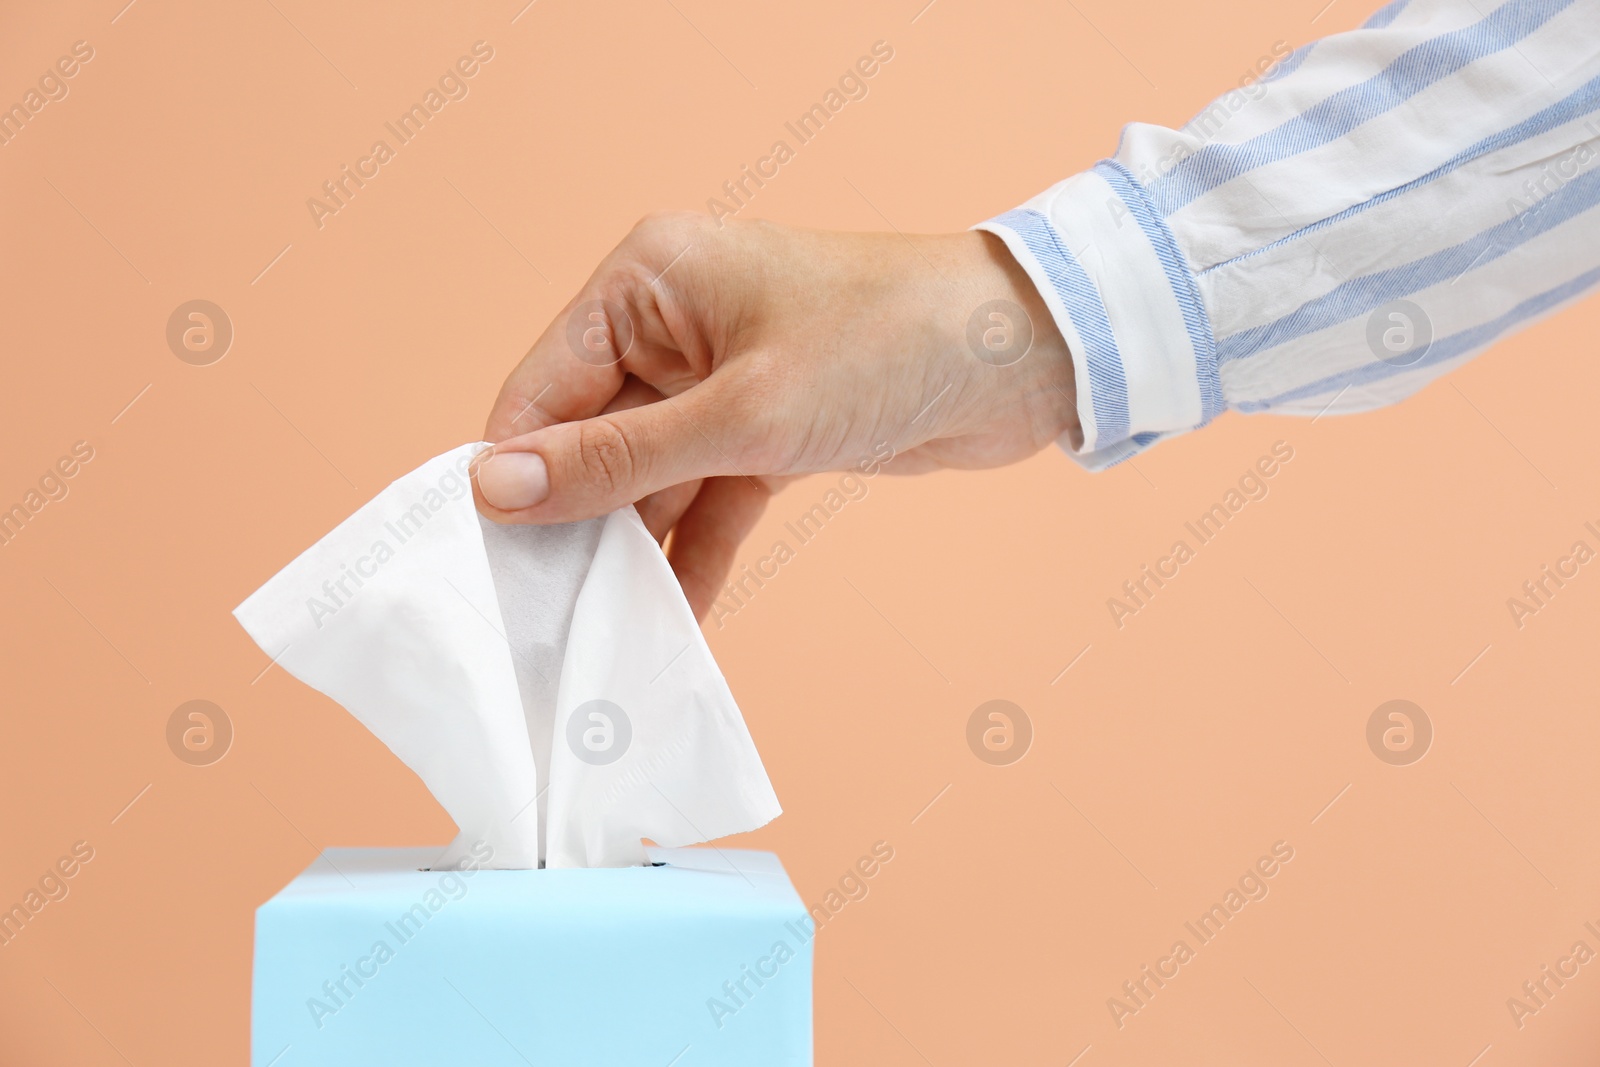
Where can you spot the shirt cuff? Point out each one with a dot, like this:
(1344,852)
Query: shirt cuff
(1123,296)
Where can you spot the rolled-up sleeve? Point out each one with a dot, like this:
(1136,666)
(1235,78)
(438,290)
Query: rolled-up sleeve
(1375,209)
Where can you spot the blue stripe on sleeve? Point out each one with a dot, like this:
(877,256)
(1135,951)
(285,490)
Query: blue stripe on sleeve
(1441,351)
(1108,384)
(1362,295)
(1584,100)
(1179,277)
(1328,120)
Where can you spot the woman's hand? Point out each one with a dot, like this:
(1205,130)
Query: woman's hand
(704,365)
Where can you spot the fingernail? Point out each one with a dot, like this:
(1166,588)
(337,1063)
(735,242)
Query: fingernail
(512,481)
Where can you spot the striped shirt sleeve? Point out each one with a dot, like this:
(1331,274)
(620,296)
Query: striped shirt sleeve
(1378,208)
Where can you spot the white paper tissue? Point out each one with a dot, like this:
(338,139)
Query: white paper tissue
(547,683)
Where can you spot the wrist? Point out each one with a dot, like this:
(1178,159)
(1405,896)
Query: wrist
(1008,326)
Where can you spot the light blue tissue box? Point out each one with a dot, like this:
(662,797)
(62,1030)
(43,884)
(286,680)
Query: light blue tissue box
(366,959)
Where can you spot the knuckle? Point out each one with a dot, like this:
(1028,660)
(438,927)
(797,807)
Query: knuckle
(664,228)
(668,221)
(605,454)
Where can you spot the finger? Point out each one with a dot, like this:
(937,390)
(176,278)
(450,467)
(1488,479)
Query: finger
(632,394)
(578,470)
(613,325)
(660,511)
(707,538)
(553,382)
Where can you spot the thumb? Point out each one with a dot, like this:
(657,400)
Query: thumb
(578,470)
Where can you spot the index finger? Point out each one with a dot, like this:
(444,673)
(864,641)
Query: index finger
(571,372)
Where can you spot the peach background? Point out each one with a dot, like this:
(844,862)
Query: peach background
(1188,742)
